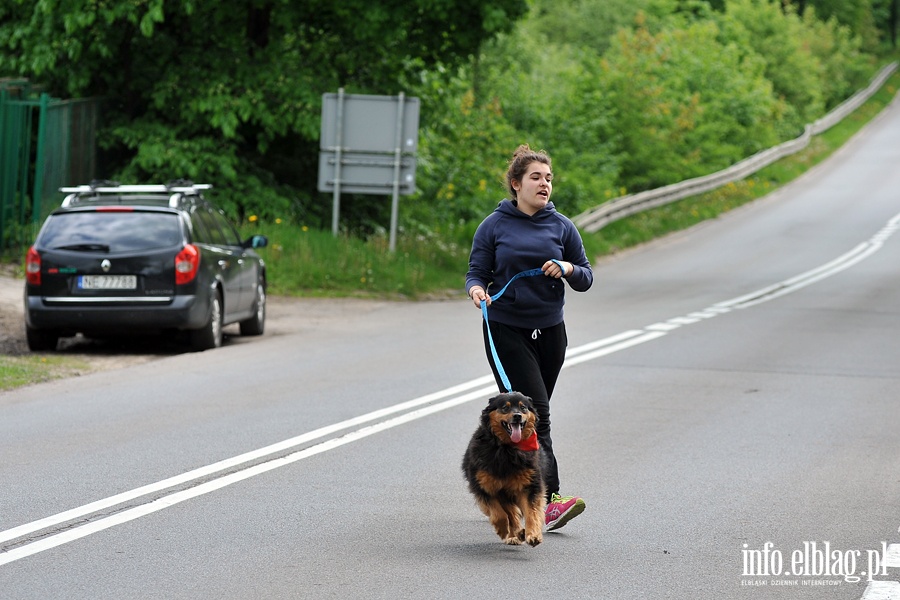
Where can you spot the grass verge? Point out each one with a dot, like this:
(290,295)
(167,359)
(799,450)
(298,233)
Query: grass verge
(18,371)
(307,262)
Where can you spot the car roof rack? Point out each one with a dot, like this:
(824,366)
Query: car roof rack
(93,191)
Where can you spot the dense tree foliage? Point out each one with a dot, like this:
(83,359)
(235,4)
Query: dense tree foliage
(625,94)
(231,91)
(675,89)
(862,17)
(694,103)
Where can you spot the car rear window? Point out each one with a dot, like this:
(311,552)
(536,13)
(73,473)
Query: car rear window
(131,231)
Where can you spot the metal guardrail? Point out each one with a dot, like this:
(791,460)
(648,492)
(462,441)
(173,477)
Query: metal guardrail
(618,208)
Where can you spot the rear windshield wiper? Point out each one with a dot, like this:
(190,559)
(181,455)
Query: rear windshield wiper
(85,247)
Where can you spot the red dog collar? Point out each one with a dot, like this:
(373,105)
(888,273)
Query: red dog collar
(529,444)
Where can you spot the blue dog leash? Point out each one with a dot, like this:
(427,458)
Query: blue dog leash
(484,312)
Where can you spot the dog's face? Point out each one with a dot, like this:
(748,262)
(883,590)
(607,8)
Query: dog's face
(510,417)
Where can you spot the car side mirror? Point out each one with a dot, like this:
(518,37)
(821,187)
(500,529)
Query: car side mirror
(257,241)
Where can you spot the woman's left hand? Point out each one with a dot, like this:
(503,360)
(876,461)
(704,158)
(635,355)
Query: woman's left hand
(557,269)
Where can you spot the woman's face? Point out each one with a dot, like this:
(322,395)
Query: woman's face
(533,191)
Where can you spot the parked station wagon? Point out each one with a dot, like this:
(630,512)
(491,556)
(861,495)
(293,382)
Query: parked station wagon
(128,259)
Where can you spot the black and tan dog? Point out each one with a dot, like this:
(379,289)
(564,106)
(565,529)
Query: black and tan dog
(503,467)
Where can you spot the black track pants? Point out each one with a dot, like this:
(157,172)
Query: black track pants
(532,359)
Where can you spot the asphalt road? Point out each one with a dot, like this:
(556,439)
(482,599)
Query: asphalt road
(728,411)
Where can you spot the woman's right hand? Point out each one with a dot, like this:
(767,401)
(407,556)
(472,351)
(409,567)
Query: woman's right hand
(477,294)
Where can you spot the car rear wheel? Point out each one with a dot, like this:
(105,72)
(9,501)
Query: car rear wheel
(256,324)
(41,341)
(210,335)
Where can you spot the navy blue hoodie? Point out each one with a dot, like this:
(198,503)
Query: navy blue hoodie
(507,242)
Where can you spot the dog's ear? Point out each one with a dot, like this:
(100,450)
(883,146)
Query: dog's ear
(491,406)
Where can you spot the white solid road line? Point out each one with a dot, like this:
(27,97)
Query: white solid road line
(418,408)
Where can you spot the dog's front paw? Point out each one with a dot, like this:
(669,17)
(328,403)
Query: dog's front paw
(534,540)
(517,539)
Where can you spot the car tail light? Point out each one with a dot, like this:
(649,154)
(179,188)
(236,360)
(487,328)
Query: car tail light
(186,264)
(33,267)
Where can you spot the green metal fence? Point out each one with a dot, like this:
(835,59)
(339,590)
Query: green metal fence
(45,143)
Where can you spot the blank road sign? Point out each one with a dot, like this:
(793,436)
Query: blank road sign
(364,132)
(369,123)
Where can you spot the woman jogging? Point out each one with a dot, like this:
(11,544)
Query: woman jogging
(529,335)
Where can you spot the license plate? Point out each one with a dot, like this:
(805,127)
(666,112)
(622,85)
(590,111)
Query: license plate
(107,282)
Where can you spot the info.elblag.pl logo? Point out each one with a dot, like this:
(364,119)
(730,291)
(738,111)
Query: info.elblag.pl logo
(815,563)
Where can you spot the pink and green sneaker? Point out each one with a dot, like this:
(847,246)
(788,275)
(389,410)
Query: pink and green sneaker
(562,509)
